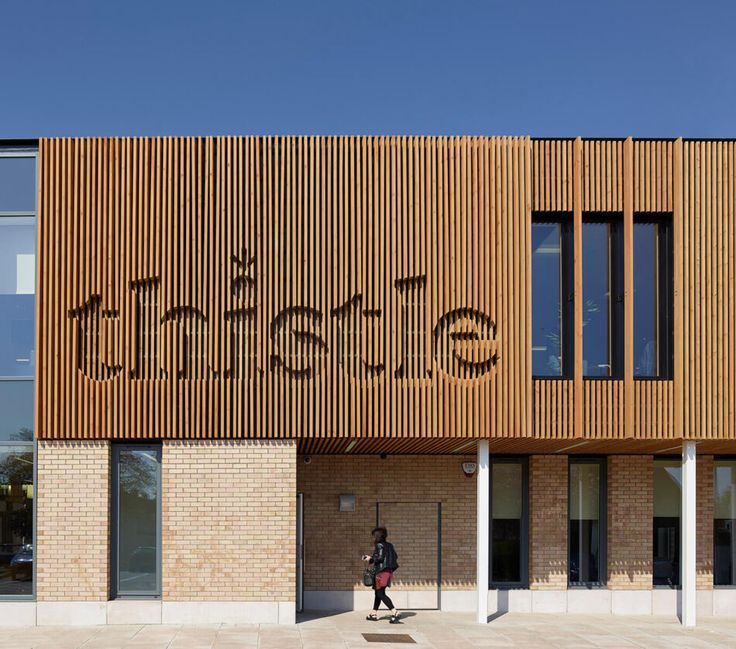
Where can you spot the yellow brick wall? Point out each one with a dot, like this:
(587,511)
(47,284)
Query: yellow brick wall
(704,522)
(630,520)
(72,549)
(336,540)
(548,522)
(229,520)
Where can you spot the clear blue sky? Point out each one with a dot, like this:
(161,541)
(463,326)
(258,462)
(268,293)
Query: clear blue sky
(540,68)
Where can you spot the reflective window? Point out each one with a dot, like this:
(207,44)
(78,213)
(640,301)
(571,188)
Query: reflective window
(16,406)
(587,522)
(552,310)
(652,297)
(724,524)
(509,522)
(16,520)
(137,537)
(666,542)
(17,183)
(602,297)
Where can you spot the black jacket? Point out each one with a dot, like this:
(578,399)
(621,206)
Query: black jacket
(384,557)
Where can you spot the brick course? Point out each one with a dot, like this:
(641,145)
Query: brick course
(72,539)
(229,520)
(548,486)
(704,522)
(630,516)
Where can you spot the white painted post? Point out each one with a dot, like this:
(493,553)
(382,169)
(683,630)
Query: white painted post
(687,535)
(483,484)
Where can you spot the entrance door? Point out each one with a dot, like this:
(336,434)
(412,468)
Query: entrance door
(299,552)
(415,529)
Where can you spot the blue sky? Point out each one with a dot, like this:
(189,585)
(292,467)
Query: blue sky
(540,68)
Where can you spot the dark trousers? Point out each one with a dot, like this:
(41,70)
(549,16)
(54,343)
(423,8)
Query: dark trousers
(381,596)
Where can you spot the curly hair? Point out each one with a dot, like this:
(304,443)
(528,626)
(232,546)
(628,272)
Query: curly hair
(382,533)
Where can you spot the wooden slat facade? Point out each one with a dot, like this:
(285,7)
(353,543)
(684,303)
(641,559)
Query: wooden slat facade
(375,289)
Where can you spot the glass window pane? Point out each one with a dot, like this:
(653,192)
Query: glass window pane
(646,305)
(16,520)
(138,533)
(596,299)
(17,300)
(724,539)
(506,512)
(16,411)
(17,184)
(584,542)
(546,299)
(666,542)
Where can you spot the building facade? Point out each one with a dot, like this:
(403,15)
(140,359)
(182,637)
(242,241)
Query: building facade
(226,359)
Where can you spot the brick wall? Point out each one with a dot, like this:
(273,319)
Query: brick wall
(704,523)
(229,520)
(72,547)
(630,516)
(548,522)
(342,537)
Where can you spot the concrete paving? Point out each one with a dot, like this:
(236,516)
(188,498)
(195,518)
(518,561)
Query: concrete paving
(427,629)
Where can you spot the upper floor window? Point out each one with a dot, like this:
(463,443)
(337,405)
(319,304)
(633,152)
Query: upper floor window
(603,295)
(552,303)
(653,295)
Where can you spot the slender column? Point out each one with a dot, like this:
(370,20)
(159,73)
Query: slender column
(687,534)
(483,486)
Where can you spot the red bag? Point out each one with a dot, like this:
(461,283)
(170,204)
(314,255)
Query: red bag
(383,578)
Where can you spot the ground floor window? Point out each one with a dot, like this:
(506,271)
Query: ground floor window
(724,524)
(16,519)
(136,548)
(509,523)
(666,541)
(587,529)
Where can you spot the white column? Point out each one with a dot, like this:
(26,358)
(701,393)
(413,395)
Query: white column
(483,484)
(687,535)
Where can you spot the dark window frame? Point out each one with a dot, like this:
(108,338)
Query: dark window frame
(725,458)
(675,459)
(616,322)
(665,292)
(602,463)
(567,290)
(115,591)
(524,558)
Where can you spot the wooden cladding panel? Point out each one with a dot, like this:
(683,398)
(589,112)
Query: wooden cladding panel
(554,408)
(603,409)
(654,409)
(553,175)
(603,176)
(284,287)
(653,176)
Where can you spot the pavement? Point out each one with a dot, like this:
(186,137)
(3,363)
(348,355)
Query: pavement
(428,629)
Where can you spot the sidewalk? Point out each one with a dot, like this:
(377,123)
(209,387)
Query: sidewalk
(427,629)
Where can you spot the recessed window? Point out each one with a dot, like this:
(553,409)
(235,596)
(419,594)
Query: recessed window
(724,524)
(587,529)
(16,520)
(552,304)
(653,295)
(137,521)
(602,295)
(509,523)
(666,541)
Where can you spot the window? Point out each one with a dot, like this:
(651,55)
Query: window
(724,524)
(602,295)
(653,296)
(666,542)
(587,530)
(509,523)
(552,303)
(17,367)
(136,551)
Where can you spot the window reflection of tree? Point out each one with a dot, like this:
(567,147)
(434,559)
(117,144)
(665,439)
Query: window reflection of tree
(139,474)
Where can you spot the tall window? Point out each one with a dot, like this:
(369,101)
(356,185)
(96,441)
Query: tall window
(653,295)
(602,295)
(509,522)
(552,305)
(724,524)
(17,367)
(587,530)
(137,521)
(666,542)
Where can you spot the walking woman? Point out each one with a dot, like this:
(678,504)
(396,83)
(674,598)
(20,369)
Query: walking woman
(384,562)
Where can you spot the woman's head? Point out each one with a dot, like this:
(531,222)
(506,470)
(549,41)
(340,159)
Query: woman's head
(379,534)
